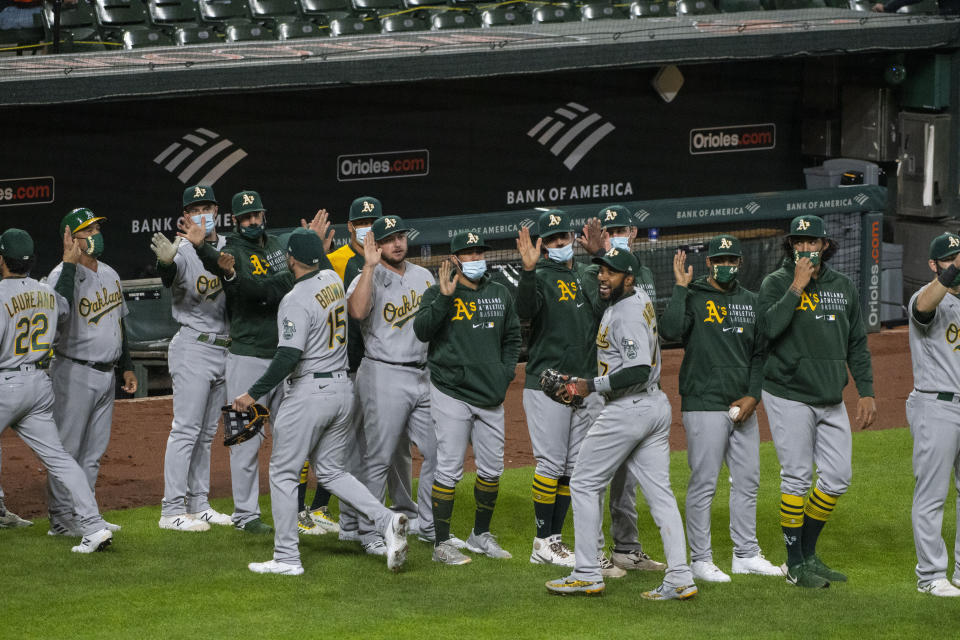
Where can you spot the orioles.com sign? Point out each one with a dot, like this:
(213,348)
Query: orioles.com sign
(391,164)
(747,137)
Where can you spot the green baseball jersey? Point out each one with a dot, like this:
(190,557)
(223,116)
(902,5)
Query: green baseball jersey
(812,338)
(723,360)
(645,279)
(564,309)
(474,338)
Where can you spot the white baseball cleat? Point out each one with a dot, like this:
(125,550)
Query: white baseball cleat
(487,544)
(321,517)
(212,516)
(756,565)
(941,588)
(182,522)
(708,572)
(306,526)
(112,527)
(448,553)
(608,569)
(552,551)
(279,568)
(96,541)
(62,529)
(456,542)
(664,592)
(635,560)
(376,548)
(395,538)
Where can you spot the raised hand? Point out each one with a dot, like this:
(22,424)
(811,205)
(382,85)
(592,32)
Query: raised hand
(681,272)
(71,247)
(803,272)
(593,236)
(320,225)
(447,280)
(529,253)
(371,252)
(193,232)
(165,250)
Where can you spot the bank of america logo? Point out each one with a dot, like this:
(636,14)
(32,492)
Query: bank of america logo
(752,207)
(526,223)
(200,157)
(412,233)
(572,130)
(861,199)
(641,215)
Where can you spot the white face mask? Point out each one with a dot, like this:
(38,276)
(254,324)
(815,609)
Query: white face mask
(561,254)
(473,269)
(362,233)
(620,242)
(207,221)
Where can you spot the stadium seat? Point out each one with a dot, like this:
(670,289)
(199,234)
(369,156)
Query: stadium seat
(453,20)
(366,5)
(78,26)
(401,23)
(695,7)
(503,16)
(423,3)
(145,37)
(354,26)
(650,9)
(323,11)
(114,14)
(601,11)
(786,5)
(924,6)
(274,12)
(734,6)
(173,12)
(183,36)
(292,29)
(224,12)
(244,32)
(554,13)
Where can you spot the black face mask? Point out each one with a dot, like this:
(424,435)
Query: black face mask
(956,281)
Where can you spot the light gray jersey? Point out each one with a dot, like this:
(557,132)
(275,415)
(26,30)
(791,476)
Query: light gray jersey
(388,328)
(935,347)
(313,318)
(92,330)
(198,300)
(30,321)
(628,338)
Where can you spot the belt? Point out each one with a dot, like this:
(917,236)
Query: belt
(30,366)
(616,395)
(212,338)
(414,365)
(329,374)
(946,396)
(99,366)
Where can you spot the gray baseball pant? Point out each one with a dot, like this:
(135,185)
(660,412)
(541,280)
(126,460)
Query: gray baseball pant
(314,424)
(712,438)
(556,431)
(242,372)
(935,427)
(199,392)
(458,424)
(26,405)
(633,430)
(83,413)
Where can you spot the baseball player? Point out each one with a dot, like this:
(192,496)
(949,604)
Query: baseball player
(8,519)
(720,377)
(933,411)
(252,269)
(314,421)
(197,358)
(392,380)
(633,428)
(91,343)
(26,401)
(559,298)
(473,332)
(810,316)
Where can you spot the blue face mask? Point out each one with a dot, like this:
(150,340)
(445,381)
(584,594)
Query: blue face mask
(561,254)
(361,234)
(620,242)
(473,269)
(206,220)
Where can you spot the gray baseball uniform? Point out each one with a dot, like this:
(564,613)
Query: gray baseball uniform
(197,360)
(933,411)
(632,429)
(314,421)
(87,347)
(393,386)
(26,393)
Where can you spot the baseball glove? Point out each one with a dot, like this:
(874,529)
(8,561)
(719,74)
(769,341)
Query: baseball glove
(560,387)
(240,426)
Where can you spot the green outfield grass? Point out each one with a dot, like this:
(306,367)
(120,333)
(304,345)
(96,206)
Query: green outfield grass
(163,584)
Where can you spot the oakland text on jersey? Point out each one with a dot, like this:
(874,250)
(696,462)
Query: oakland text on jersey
(209,288)
(30,300)
(329,294)
(104,303)
(404,310)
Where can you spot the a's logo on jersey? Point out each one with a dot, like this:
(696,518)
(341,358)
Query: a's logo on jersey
(259,269)
(629,348)
(472,238)
(389,223)
(199,192)
(465,311)
(209,288)
(567,291)
(715,313)
(104,302)
(289,328)
(808,302)
(368,207)
(725,244)
(609,215)
(248,199)
(554,220)
(803,225)
(602,341)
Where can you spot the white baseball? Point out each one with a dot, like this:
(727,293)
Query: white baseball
(734,413)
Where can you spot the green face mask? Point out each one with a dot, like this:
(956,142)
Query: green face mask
(724,273)
(813,255)
(94,245)
(253,232)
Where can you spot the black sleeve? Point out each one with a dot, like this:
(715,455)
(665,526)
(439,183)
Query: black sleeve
(284,362)
(66,281)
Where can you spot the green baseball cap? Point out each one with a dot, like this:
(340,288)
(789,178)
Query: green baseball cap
(725,245)
(553,222)
(619,260)
(198,193)
(246,202)
(305,246)
(78,219)
(467,240)
(615,216)
(945,246)
(365,207)
(809,226)
(387,226)
(17,244)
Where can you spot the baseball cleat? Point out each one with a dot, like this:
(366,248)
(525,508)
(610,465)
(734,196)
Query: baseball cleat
(10,520)
(487,544)
(756,565)
(457,542)
(802,575)
(113,528)
(635,560)
(212,516)
(306,526)
(255,526)
(61,529)
(395,539)
(941,588)
(608,569)
(816,564)
(552,551)
(182,522)
(321,517)
(349,535)
(375,548)
(279,568)
(96,541)
(664,592)
(708,572)
(570,586)
(447,553)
